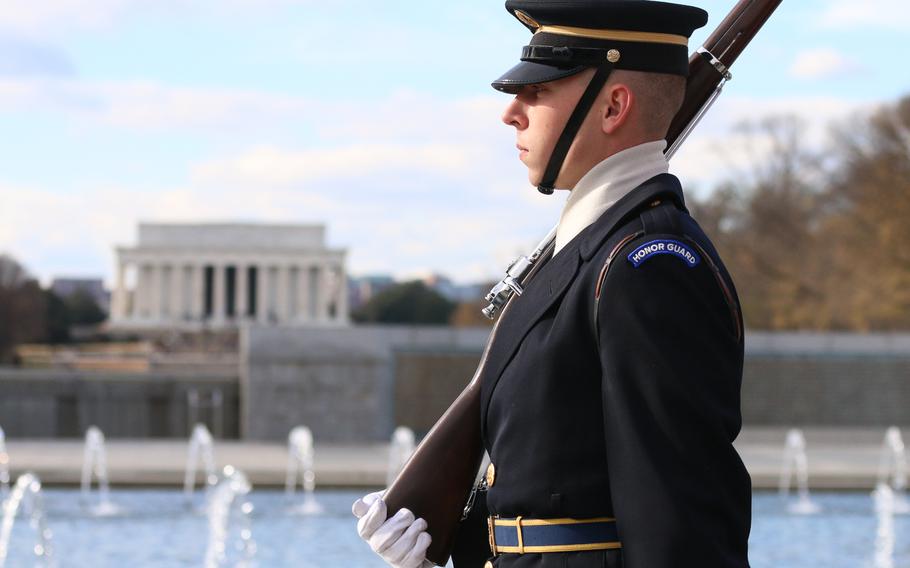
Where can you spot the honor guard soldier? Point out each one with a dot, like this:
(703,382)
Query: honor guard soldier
(611,395)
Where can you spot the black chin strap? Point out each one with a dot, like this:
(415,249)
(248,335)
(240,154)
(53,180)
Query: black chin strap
(548,183)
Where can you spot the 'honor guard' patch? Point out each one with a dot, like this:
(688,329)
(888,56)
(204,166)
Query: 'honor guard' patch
(664,246)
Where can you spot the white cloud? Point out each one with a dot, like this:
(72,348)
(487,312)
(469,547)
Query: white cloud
(408,114)
(145,105)
(43,18)
(888,14)
(26,58)
(36,18)
(822,63)
(403,116)
(716,152)
(272,167)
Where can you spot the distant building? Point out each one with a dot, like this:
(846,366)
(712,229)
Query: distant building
(221,274)
(452,291)
(93,287)
(363,288)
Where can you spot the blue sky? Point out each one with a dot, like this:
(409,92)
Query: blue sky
(375,119)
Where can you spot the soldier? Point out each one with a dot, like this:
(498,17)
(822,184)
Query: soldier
(610,400)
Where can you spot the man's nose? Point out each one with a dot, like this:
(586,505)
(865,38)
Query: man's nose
(514,115)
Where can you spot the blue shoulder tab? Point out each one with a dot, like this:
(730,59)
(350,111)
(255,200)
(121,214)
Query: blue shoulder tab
(664,246)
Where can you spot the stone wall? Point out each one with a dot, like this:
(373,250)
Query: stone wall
(355,384)
(62,404)
(426,383)
(341,382)
(834,379)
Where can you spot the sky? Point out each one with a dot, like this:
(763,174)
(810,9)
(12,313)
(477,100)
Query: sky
(375,119)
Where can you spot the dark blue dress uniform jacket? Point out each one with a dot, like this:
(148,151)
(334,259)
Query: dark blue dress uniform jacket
(614,391)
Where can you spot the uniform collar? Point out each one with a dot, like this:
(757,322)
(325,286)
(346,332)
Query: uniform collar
(606,183)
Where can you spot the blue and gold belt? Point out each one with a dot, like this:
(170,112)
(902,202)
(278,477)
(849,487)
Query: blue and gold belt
(520,535)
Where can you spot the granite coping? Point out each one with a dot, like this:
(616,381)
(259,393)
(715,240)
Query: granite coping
(839,459)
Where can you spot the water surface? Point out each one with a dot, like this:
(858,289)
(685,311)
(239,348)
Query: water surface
(156,528)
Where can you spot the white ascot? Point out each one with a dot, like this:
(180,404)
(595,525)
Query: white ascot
(606,183)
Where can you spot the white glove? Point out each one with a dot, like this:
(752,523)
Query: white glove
(401,541)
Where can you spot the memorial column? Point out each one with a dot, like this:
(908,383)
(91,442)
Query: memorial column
(154,300)
(281,300)
(240,293)
(262,296)
(304,302)
(322,297)
(176,286)
(315,292)
(341,299)
(218,306)
(197,291)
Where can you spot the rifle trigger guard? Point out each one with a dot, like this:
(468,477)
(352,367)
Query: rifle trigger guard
(716,63)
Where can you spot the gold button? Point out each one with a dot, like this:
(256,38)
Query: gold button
(613,55)
(488,564)
(491,475)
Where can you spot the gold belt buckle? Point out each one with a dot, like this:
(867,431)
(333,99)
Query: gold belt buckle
(491,531)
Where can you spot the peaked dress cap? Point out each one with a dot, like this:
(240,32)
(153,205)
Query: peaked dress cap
(572,35)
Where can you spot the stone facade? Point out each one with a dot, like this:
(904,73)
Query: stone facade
(224,274)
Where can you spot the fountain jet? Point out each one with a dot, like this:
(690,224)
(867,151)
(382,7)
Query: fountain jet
(227,501)
(890,491)
(27,495)
(300,464)
(200,449)
(94,463)
(796,463)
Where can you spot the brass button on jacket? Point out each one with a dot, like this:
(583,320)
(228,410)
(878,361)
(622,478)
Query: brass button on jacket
(491,475)
(488,564)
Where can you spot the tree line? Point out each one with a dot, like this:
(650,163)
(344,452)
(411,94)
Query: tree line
(32,314)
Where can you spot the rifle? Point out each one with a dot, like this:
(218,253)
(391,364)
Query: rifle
(436,482)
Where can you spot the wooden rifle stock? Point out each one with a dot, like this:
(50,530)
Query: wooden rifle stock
(436,482)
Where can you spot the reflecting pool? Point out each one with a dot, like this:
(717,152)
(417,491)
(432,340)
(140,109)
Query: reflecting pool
(156,528)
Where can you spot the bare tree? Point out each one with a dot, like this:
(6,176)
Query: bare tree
(22,308)
(820,244)
(867,227)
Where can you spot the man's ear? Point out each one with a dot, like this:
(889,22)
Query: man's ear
(616,107)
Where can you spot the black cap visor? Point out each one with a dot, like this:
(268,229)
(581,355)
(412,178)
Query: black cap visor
(530,73)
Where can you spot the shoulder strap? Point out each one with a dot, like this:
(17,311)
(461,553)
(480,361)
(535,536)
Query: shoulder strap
(661,218)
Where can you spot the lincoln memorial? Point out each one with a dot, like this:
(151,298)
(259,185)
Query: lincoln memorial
(221,274)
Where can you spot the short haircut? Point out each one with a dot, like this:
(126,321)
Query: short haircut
(660,96)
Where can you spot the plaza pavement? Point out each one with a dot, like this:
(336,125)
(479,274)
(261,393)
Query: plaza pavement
(838,459)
